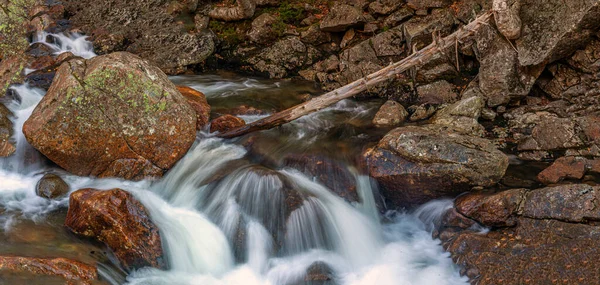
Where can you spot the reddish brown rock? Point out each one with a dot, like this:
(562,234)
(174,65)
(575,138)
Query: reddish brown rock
(42,62)
(10,71)
(71,271)
(225,123)
(554,238)
(116,218)
(197,101)
(564,167)
(112,116)
(497,210)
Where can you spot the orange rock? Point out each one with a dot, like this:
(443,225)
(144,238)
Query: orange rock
(197,101)
(116,218)
(73,271)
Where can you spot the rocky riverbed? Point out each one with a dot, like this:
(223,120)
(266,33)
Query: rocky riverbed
(109,114)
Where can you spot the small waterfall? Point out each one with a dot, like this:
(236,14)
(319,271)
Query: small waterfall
(26,159)
(191,242)
(353,234)
(226,221)
(73,42)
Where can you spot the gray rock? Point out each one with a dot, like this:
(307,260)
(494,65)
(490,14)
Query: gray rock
(398,17)
(261,31)
(391,114)
(342,17)
(284,56)
(148,31)
(419,29)
(384,7)
(314,36)
(554,29)
(439,92)
(424,4)
(415,164)
(462,116)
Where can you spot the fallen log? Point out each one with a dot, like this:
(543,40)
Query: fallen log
(418,58)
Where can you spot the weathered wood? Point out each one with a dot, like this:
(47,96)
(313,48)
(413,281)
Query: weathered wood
(418,58)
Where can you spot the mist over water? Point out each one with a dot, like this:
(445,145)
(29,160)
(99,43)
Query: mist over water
(226,219)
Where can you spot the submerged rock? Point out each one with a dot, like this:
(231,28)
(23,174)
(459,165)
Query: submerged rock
(70,271)
(51,186)
(225,123)
(318,273)
(112,116)
(119,220)
(531,232)
(416,164)
(197,101)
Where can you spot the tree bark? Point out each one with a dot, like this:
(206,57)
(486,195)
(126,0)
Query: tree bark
(244,10)
(418,58)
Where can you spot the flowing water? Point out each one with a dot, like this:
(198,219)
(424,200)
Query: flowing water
(233,211)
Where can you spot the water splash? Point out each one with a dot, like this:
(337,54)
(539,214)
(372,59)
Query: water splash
(73,42)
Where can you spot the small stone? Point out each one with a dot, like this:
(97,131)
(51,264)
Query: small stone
(421,112)
(438,92)
(348,36)
(225,123)
(391,114)
(51,186)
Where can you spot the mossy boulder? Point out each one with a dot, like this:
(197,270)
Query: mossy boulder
(112,116)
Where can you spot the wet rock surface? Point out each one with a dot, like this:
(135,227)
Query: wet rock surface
(117,219)
(225,123)
(51,186)
(67,270)
(531,230)
(112,116)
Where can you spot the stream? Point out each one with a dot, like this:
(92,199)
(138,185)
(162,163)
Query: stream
(223,211)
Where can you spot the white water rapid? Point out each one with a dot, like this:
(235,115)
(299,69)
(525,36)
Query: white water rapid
(225,220)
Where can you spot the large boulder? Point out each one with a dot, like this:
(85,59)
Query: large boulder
(550,30)
(112,116)
(116,218)
(69,271)
(416,164)
(141,27)
(531,231)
